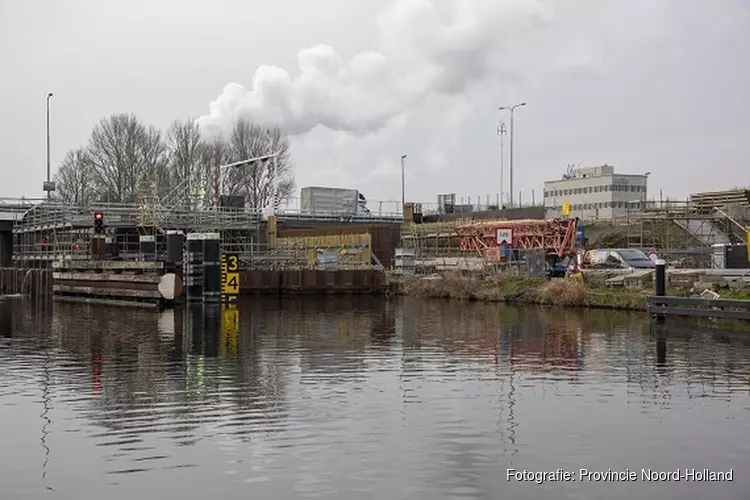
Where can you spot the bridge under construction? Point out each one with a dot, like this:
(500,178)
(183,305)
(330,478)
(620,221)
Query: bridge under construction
(41,232)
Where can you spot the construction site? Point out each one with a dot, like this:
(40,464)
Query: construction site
(709,230)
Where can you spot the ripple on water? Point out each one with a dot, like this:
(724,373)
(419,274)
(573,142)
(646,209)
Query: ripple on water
(408,399)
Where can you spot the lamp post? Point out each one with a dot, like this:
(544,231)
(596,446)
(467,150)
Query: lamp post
(403,182)
(47,186)
(511,109)
(218,176)
(501,131)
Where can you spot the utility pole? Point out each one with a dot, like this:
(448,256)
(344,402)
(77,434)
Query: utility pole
(501,131)
(403,183)
(511,109)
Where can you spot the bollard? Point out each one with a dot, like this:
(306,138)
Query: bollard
(147,246)
(194,267)
(660,279)
(660,284)
(98,250)
(212,268)
(175,242)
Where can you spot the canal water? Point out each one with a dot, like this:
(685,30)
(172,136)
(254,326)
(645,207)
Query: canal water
(357,398)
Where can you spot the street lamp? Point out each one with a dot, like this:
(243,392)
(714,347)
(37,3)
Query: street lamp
(501,131)
(403,183)
(48,186)
(241,163)
(511,109)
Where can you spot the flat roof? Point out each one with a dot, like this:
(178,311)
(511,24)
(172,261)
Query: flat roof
(589,177)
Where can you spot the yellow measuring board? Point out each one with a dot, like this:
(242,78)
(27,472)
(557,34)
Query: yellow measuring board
(230,329)
(230,277)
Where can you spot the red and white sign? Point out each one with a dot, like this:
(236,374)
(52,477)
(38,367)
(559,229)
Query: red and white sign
(653,256)
(504,235)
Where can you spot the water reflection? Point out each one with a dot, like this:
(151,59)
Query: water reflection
(355,397)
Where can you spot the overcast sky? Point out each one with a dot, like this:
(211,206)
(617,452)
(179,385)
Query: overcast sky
(660,86)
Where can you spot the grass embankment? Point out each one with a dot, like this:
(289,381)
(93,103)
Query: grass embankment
(735,294)
(538,291)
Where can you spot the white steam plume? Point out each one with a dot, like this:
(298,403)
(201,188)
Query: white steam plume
(426,47)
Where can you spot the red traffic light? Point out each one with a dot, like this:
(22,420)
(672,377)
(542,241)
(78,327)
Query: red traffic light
(98,216)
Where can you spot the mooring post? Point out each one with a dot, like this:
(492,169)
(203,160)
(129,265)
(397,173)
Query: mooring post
(212,268)
(175,242)
(98,244)
(194,267)
(660,283)
(147,246)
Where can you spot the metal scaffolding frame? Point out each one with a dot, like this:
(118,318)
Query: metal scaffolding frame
(53,231)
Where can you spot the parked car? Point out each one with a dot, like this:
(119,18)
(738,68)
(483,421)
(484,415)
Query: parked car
(560,268)
(617,258)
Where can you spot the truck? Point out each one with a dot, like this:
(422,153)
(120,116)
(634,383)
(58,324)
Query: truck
(328,200)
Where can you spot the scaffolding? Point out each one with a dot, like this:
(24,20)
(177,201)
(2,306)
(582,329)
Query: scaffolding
(52,231)
(684,232)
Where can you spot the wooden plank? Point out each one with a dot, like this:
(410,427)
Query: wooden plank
(699,302)
(705,313)
(106,302)
(108,265)
(107,292)
(98,277)
(109,285)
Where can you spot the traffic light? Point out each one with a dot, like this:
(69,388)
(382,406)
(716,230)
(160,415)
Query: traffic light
(98,223)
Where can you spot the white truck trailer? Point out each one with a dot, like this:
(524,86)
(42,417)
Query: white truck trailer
(327,200)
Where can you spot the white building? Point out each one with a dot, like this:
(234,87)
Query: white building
(595,193)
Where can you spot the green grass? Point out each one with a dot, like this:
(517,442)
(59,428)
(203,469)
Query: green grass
(735,294)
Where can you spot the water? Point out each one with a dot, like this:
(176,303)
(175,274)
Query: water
(360,398)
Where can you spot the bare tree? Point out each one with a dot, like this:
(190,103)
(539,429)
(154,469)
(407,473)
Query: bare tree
(259,182)
(126,157)
(75,179)
(215,153)
(185,149)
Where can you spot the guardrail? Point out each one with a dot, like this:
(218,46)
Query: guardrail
(699,307)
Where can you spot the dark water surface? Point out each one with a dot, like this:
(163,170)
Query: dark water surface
(361,398)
